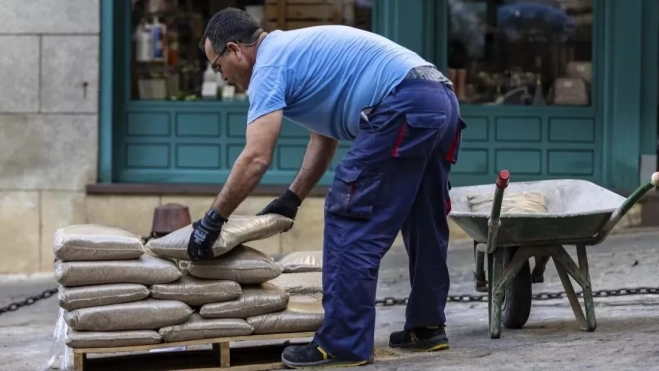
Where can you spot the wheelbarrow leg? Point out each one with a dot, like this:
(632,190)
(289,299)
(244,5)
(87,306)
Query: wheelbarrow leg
(495,293)
(564,266)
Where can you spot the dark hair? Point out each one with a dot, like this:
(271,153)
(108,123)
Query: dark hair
(229,25)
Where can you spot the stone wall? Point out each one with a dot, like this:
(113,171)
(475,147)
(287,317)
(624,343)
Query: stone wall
(49,57)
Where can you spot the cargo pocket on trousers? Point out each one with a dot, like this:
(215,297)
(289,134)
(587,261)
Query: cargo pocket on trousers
(353,193)
(418,132)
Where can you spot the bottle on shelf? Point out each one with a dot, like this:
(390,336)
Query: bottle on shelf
(143,43)
(159,36)
(209,85)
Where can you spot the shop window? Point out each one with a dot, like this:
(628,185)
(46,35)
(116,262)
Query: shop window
(167,64)
(513,52)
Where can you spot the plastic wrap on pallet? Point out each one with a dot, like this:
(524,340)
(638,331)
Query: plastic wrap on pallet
(71,298)
(194,291)
(299,316)
(146,270)
(96,242)
(61,356)
(239,229)
(149,314)
(243,264)
(197,327)
(254,301)
(302,261)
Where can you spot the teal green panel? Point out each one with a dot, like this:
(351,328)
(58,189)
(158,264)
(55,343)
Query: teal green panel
(148,124)
(472,161)
(236,124)
(291,130)
(477,129)
(233,151)
(201,125)
(289,157)
(198,156)
(575,162)
(519,161)
(106,89)
(140,155)
(520,129)
(571,130)
(650,97)
(623,93)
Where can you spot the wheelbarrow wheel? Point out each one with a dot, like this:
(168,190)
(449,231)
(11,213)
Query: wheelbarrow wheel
(518,295)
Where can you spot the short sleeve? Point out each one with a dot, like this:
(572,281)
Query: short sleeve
(267,91)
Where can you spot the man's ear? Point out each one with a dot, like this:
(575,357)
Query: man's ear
(232,47)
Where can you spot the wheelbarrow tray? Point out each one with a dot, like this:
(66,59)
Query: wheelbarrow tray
(576,210)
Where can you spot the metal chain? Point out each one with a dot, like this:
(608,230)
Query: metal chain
(391,301)
(28,301)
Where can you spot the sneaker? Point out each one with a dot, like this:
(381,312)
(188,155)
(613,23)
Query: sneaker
(313,356)
(425,339)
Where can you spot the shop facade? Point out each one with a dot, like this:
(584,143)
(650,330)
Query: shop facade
(575,97)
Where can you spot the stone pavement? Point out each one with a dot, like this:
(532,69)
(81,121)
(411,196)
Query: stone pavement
(627,337)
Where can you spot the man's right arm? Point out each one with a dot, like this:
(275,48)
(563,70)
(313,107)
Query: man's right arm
(317,158)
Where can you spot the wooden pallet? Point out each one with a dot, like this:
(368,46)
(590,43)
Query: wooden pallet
(220,357)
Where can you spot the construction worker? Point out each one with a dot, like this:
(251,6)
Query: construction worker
(400,112)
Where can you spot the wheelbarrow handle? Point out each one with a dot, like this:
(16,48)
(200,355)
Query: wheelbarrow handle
(503,179)
(502,182)
(624,208)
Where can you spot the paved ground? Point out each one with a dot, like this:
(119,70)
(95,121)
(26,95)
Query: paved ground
(627,337)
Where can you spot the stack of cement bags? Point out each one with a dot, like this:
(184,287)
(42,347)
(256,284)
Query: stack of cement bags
(104,276)
(231,292)
(302,274)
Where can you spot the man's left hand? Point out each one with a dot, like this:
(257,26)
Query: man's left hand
(206,232)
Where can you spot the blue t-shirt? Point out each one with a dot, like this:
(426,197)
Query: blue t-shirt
(324,76)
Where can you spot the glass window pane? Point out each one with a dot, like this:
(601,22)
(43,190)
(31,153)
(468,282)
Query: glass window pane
(166,62)
(521,52)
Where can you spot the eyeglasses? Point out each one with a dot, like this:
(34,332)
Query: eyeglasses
(216,67)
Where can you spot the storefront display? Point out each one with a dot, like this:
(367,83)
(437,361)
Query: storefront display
(167,63)
(521,52)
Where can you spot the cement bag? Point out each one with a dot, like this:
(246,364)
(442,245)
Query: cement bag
(96,242)
(146,314)
(513,203)
(254,301)
(237,230)
(300,283)
(196,328)
(99,295)
(243,264)
(193,291)
(302,261)
(87,339)
(146,270)
(299,316)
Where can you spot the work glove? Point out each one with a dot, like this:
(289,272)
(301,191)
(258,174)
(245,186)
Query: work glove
(206,232)
(285,205)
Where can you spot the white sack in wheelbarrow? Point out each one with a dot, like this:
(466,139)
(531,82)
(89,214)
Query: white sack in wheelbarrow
(149,314)
(96,242)
(239,229)
(147,270)
(243,264)
(513,203)
(299,316)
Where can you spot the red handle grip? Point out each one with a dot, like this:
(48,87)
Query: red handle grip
(503,179)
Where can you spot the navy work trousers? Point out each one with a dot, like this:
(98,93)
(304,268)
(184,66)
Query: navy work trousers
(394,178)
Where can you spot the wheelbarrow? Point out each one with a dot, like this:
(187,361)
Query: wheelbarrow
(579,213)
